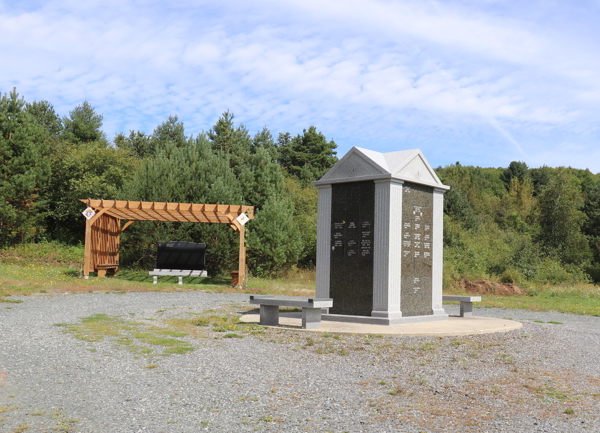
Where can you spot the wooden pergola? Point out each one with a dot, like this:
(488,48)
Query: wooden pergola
(103,230)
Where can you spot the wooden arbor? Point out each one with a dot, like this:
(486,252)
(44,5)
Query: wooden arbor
(103,230)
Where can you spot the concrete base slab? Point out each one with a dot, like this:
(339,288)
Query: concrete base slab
(454,326)
(374,320)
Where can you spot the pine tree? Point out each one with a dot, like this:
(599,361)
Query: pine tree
(308,156)
(24,170)
(234,142)
(274,241)
(192,173)
(83,125)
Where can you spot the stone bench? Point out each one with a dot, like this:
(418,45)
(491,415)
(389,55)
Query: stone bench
(175,273)
(466,303)
(311,309)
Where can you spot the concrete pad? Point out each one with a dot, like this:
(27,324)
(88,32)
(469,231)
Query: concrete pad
(454,326)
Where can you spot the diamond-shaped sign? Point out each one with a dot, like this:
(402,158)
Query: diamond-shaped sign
(89,213)
(243,219)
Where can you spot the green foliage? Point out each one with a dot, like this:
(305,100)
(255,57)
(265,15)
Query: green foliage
(591,227)
(516,225)
(308,156)
(24,170)
(83,125)
(46,116)
(561,220)
(80,172)
(458,207)
(305,217)
(192,173)
(516,170)
(234,142)
(274,240)
(170,131)
(137,144)
(261,178)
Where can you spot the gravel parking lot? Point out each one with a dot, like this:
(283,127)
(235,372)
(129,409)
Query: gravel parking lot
(544,377)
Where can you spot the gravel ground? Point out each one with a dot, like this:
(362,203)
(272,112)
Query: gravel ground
(544,377)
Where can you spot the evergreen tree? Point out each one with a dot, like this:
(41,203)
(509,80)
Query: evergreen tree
(137,144)
(234,142)
(308,156)
(457,206)
(24,170)
(192,173)
(46,116)
(264,140)
(170,131)
(516,169)
(261,178)
(83,125)
(274,241)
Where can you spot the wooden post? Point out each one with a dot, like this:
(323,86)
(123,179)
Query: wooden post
(242,264)
(87,249)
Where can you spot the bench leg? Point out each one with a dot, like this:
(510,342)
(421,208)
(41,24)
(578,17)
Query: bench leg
(269,315)
(180,281)
(154,279)
(101,273)
(466,309)
(311,318)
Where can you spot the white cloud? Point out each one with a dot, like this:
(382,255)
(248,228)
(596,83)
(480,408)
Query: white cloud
(369,73)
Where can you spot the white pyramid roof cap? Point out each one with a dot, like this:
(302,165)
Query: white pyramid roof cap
(363,164)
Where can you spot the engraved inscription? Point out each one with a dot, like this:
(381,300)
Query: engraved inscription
(351,262)
(417,220)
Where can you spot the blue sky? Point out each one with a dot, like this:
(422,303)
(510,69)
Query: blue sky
(482,82)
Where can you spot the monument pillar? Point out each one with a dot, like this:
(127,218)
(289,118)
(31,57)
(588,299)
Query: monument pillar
(437,267)
(387,275)
(323,240)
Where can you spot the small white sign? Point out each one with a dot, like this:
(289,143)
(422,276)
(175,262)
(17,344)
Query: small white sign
(243,219)
(89,213)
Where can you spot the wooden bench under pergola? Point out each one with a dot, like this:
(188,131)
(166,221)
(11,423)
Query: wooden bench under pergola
(103,230)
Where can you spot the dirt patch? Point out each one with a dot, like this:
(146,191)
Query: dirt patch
(486,287)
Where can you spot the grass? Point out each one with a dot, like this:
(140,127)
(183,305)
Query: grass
(52,267)
(133,336)
(582,299)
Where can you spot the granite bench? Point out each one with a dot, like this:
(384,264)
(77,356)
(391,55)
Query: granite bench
(175,273)
(311,309)
(466,303)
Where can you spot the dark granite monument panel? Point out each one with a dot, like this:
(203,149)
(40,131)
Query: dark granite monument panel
(351,265)
(417,248)
(189,256)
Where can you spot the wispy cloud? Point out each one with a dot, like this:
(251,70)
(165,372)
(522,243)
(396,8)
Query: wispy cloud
(379,74)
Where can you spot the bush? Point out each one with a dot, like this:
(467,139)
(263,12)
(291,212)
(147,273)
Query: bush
(594,272)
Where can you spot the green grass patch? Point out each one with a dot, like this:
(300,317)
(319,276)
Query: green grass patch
(582,299)
(132,336)
(11,301)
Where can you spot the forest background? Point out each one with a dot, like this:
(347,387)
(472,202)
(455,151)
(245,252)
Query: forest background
(513,225)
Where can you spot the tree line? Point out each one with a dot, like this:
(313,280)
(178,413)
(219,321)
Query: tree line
(50,162)
(515,224)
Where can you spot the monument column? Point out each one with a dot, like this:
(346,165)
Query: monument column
(387,266)
(323,240)
(437,265)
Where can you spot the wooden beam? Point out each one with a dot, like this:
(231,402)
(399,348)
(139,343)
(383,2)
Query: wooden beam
(87,249)
(127,224)
(242,259)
